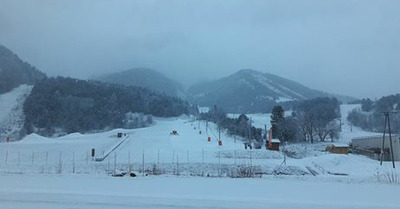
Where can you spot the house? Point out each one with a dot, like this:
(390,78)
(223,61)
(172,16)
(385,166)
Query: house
(274,144)
(338,148)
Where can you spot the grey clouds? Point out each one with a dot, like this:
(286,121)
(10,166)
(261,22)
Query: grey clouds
(349,47)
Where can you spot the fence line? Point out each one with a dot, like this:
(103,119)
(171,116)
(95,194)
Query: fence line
(154,162)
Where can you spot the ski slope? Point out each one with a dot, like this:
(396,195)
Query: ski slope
(11,112)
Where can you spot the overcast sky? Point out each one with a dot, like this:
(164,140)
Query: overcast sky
(339,46)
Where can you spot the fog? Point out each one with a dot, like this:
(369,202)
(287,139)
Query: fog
(338,46)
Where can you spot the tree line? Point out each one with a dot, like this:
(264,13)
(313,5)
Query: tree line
(370,115)
(311,121)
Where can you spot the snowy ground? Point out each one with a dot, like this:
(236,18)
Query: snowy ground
(11,112)
(188,171)
(97,192)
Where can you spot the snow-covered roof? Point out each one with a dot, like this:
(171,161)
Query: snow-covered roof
(341,145)
(275,141)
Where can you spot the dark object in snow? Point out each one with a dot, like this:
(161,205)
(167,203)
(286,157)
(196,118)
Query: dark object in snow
(174,132)
(132,175)
(119,174)
(313,172)
(248,145)
(119,135)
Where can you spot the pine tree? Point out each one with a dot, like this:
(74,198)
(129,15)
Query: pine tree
(277,117)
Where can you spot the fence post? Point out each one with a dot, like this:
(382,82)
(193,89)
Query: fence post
(87,157)
(108,164)
(173,156)
(143,163)
(129,162)
(158,156)
(60,163)
(6,157)
(115,163)
(73,162)
(234,157)
(177,165)
(47,156)
(219,163)
(202,156)
(33,157)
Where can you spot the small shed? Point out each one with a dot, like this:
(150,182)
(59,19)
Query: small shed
(274,144)
(338,148)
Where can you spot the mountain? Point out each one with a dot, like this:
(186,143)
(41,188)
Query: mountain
(250,91)
(146,78)
(14,71)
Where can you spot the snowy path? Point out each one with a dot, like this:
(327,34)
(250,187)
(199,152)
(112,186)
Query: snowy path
(97,192)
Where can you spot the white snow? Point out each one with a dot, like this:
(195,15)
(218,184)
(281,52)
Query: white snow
(284,99)
(11,111)
(9,101)
(98,192)
(188,171)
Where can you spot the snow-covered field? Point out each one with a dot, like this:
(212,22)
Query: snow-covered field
(188,171)
(98,192)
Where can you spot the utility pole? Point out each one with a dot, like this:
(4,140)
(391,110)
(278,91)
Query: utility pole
(387,125)
(250,129)
(219,133)
(265,135)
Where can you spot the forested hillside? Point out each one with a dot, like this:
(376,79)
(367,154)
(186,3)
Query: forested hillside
(14,71)
(65,105)
(145,78)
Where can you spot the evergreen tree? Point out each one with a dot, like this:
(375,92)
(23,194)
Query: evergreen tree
(277,117)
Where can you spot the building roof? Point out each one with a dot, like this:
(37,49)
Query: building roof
(275,141)
(341,145)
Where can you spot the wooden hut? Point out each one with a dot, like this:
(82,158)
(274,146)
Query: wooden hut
(338,148)
(274,144)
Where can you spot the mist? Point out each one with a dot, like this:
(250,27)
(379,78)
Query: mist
(343,46)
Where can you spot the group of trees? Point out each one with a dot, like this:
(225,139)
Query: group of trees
(240,126)
(370,116)
(70,105)
(311,120)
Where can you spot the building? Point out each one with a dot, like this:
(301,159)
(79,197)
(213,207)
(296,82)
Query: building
(371,146)
(274,144)
(338,148)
